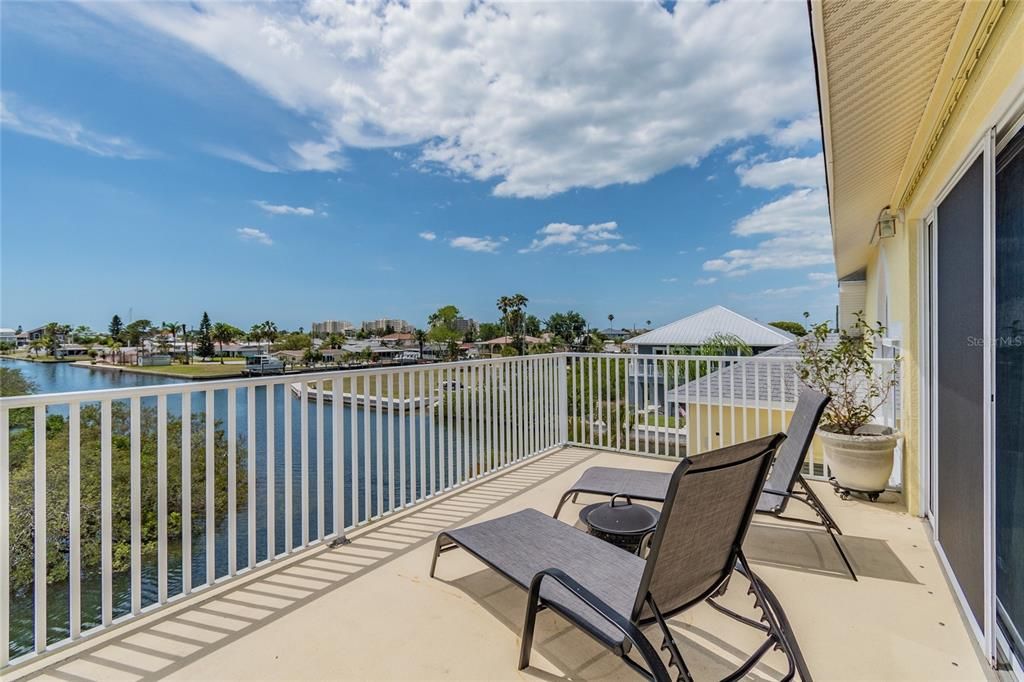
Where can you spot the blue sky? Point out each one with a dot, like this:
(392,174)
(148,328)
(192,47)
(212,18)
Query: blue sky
(313,161)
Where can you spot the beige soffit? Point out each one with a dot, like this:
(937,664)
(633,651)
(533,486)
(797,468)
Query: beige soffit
(877,66)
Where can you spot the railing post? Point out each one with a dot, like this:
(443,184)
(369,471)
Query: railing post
(563,399)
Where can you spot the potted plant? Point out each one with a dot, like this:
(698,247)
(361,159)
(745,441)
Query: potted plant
(858,452)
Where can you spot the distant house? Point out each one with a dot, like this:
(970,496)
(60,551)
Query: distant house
(39,332)
(8,336)
(697,329)
(400,340)
(613,334)
(686,335)
(72,350)
(246,349)
(495,345)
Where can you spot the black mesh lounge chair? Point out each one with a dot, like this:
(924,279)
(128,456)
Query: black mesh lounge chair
(610,593)
(785,482)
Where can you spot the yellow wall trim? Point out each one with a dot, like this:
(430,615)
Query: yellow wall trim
(971,57)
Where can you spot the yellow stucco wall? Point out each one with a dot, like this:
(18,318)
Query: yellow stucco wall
(995,83)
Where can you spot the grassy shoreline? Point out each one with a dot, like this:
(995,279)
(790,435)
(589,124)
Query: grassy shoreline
(43,358)
(204,370)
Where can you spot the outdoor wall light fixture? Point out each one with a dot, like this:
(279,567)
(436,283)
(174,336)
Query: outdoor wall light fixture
(885,227)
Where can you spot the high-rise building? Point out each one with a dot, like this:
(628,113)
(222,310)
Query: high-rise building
(463,325)
(331,327)
(385,323)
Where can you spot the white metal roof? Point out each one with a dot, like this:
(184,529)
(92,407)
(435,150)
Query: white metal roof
(699,327)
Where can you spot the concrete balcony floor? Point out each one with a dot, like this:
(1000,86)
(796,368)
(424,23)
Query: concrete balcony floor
(368,610)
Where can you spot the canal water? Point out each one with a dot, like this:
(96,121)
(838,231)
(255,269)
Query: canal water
(61,377)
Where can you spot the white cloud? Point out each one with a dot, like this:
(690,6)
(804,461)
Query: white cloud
(478,244)
(819,280)
(807,129)
(317,156)
(537,98)
(583,239)
(284,209)
(251,234)
(588,249)
(242,158)
(429,236)
(797,171)
(705,281)
(17,116)
(739,154)
(795,232)
(804,211)
(301,156)
(699,249)
(669,280)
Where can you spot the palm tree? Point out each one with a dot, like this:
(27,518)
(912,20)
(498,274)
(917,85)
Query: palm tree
(224,333)
(115,347)
(184,336)
(269,332)
(421,338)
(172,329)
(511,308)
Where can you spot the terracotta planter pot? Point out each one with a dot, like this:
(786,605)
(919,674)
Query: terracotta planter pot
(861,462)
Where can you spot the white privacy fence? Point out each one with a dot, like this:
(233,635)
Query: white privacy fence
(116,502)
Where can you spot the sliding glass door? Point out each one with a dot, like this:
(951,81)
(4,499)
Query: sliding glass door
(959,367)
(1009,358)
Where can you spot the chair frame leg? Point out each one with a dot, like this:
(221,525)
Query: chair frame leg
(440,547)
(808,497)
(565,498)
(669,642)
(775,623)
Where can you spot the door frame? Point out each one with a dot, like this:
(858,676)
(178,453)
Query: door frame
(984,631)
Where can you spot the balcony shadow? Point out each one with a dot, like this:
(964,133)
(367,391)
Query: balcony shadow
(811,550)
(185,632)
(712,650)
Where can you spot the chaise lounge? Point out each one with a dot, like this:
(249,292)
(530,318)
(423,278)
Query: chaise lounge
(611,594)
(785,482)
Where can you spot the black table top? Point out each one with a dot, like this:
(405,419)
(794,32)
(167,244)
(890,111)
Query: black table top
(619,518)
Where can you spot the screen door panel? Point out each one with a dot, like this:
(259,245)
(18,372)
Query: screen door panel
(960,389)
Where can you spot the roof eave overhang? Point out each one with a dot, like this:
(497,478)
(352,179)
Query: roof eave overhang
(814,15)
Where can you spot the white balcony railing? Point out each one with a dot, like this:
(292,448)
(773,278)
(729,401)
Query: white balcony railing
(116,502)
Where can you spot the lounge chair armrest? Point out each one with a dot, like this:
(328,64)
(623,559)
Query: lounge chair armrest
(624,625)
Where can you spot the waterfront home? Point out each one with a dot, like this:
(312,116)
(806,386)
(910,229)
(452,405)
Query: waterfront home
(244,349)
(38,333)
(8,336)
(69,350)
